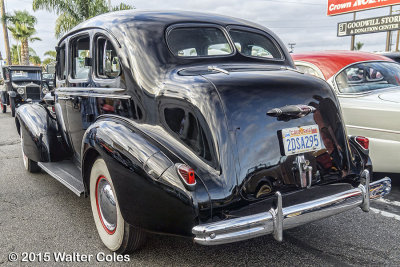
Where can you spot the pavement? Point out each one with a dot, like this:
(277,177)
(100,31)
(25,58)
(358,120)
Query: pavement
(40,219)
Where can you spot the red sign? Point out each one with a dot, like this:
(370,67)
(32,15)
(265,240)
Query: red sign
(336,7)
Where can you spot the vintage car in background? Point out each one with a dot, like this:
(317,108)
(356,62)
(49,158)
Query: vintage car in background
(22,84)
(392,55)
(48,78)
(367,86)
(195,125)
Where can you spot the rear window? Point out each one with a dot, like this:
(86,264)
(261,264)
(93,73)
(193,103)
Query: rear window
(198,42)
(254,44)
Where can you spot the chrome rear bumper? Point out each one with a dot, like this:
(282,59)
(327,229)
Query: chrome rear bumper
(276,220)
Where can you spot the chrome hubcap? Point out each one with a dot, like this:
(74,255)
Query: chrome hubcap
(106,205)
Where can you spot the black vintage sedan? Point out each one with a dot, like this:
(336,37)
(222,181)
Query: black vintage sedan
(22,84)
(195,125)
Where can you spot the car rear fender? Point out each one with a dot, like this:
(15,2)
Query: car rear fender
(39,130)
(150,193)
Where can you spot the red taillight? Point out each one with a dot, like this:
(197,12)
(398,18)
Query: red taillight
(363,141)
(187,174)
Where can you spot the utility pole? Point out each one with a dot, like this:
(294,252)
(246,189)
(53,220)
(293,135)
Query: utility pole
(389,34)
(5,32)
(353,37)
(291,45)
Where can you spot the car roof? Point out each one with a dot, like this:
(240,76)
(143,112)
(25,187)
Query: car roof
(330,62)
(160,17)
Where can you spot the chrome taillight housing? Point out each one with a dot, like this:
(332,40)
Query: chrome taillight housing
(186,173)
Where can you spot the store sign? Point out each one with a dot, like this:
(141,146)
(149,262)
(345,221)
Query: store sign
(370,25)
(336,7)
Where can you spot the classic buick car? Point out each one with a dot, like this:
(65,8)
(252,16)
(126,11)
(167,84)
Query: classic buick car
(367,86)
(22,84)
(195,125)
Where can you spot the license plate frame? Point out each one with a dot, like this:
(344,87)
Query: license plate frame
(302,139)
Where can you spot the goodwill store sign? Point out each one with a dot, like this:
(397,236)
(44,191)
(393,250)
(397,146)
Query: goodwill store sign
(370,25)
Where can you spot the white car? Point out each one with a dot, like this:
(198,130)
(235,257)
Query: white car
(368,88)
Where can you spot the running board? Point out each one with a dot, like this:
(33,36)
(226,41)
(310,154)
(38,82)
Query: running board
(65,172)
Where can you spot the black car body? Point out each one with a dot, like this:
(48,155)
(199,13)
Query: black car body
(189,123)
(22,84)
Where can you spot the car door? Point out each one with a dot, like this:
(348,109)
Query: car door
(95,85)
(77,89)
(61,97)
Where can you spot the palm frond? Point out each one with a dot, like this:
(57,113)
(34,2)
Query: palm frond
(51,53)
(64,23)
(123,6)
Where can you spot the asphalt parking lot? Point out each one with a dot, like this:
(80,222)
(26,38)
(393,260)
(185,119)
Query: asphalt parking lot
(39,215)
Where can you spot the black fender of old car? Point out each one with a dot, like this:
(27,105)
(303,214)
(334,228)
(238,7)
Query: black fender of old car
(40,132)
(150,193)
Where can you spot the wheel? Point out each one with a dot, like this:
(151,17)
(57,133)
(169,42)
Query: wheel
(114,232)
(3,108)
(30,165)
(12,105)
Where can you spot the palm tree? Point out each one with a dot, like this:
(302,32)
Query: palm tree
(358,46)
(51,57)
(15,52)
(5,32)
(33,57)
(22,28)
(72,12)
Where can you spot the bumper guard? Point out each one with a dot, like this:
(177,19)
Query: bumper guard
(278,219)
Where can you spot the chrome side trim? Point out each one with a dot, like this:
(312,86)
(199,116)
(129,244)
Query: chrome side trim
(67,93)
(98,90)
(276,220)
(373,129)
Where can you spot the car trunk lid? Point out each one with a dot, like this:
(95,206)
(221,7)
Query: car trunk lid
(264,166)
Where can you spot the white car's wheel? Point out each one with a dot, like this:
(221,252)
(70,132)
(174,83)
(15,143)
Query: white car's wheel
(114,232)
(30,165)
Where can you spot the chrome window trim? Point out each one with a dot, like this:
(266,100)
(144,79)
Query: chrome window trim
(95,75)
(71,39)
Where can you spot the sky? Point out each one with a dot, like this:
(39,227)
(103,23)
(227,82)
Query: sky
(303,22)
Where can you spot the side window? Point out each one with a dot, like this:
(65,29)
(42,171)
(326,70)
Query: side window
(80,55)
(108,65)
(184,123)
(368,76)
(253,44)
(61,69)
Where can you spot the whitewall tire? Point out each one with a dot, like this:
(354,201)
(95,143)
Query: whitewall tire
(29,165)
(114,232)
